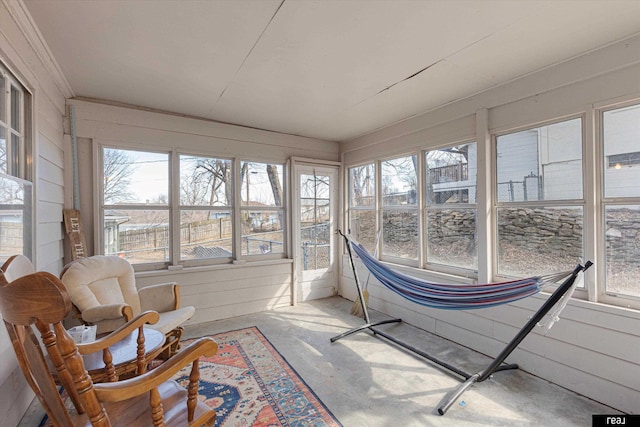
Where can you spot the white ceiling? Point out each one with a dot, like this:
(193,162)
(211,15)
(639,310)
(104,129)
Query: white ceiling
(327,69)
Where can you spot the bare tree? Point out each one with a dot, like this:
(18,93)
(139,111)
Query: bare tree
(117,173)
(400,170)
(276,187)
(3,156)
(215,173)
(362,185)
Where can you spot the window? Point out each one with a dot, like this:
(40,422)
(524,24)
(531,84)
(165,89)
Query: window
(262,208)
(142,222)
(450,210)
(16,205)
(206,214)
(618,161)
(12,146)
(621,201)
(362,205)
(400,216)
(315,219)
(136,205)
(540,205)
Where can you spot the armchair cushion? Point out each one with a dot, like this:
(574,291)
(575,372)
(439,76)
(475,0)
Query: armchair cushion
(104,312)
(160,297)
(169,320)
(85,277)
(107,291)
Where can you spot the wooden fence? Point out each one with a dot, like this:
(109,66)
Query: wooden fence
(157,237)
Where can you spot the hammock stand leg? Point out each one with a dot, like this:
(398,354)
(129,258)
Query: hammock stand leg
(368,324)
(494,366)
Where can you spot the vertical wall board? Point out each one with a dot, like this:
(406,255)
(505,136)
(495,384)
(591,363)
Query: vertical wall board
(23,51)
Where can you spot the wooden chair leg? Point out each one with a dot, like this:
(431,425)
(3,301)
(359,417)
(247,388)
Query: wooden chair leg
(172,344)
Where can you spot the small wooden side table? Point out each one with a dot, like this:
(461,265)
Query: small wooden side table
(124,356)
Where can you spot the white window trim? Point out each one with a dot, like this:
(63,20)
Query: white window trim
(599,293)
(174,207)
(424,207)
(26,167)
(592,202)
(380,207)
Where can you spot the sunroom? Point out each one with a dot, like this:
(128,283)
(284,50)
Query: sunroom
(224,146)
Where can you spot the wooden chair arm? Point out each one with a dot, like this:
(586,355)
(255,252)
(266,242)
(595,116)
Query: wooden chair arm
(148,317)
(126,389)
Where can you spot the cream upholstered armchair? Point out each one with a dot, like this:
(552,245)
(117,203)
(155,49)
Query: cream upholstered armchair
(103,290)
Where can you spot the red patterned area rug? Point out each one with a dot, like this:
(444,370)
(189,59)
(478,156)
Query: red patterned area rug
(250,384)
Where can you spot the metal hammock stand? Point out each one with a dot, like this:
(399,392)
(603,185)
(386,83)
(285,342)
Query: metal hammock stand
(469,379)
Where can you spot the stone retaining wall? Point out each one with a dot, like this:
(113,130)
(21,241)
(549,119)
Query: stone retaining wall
(544,230)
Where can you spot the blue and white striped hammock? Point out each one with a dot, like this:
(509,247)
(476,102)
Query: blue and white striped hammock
(451,296)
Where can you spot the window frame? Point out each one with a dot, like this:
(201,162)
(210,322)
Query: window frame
(427,206)
(496,204)
(102,207)
(593,203)
(599,293)
(180,208)
(21,170)
(174,206)
(413,208)
(373,208)
(283,210)
(11,82)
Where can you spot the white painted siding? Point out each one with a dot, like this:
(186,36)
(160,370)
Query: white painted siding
(595,349)
(221,292)
(22,53)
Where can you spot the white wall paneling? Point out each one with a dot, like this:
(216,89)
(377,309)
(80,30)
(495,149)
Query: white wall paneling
(23,52)
(219,292)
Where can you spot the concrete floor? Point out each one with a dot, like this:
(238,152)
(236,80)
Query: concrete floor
(366,382)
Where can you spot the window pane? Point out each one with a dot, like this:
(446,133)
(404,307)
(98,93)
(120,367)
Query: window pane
(451,237)
(16,96)
(261,184)
(400,233)
(622,249)
(451,174)
(362,227)
(399,181)
(135,177)
(541,164)
(139,236)
(3,151)
(621,133)
(262,232)
(15,217)
(206,234)
(362,186)
(539,241)
(15,156)
(315,221)
(205,181)
(3,102)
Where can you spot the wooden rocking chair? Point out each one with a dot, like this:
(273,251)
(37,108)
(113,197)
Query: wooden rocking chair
(39,301)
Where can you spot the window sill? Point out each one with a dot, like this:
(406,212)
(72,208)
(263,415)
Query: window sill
(216,267)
